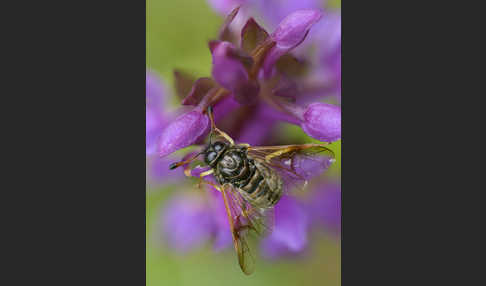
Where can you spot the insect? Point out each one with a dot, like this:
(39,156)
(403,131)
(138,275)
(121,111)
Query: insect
(252,179)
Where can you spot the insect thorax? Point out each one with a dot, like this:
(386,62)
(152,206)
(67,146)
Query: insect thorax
(257,182)
(234,167)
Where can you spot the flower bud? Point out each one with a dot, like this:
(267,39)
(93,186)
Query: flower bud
(322,121)
(183,131)
(290,33)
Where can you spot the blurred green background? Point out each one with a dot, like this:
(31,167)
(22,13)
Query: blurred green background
(177,36)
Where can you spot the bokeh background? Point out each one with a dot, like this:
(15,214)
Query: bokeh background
(177,36)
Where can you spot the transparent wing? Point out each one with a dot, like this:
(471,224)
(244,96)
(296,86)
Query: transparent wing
(238,232)
(296,164)
(245,220)
(259,220)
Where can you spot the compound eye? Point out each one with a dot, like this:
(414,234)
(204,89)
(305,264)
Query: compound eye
(211,156)
(218,146)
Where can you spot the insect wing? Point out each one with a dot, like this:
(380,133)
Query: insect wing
(260,220)
(239,230)
(296,164)
(245,220)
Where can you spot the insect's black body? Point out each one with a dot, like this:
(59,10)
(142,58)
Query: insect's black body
(256,182)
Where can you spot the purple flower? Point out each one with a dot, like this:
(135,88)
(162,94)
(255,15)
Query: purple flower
(322,121)
(230,72)
(289,235)
(186,222)
(159,174)
(325,35)
(183,131)
(319,120)
(225,6)
(328,37)
(189,220)
(274,11)
(221,235)
(155,119)
(237,74)
(290,33)
(325,206)
(256,82)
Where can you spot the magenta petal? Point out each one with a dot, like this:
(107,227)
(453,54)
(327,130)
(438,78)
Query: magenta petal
(293,29)
(290,232)
(330,34)
(225,6)
(275,11)
(154,117)
(227,71)
(186,223)
(290,33)
(273,114)
(154,90)
(183,132)
(230,72)
(198,91)
(224,107)
(322,121)
(153,128)
(222,233)
(257,129)
(326,206)
(158,171)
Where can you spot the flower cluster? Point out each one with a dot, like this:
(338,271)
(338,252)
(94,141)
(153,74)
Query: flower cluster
(255,84)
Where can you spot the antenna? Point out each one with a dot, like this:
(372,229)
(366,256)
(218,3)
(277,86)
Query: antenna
(211,118)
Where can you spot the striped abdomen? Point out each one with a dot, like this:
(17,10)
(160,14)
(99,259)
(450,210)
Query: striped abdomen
(256,182)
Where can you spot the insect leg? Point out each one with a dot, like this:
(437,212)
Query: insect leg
(207,173)
(226,136)
(215,129)
(201,181)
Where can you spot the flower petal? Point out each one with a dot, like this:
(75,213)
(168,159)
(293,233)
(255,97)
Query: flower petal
(159,173)
(154,117)
(224,32)
(200,88)
(222,233)
(225,6)
(294,28)
(257,128)
(275,11)
(230,71)
(322,121)
(329,34)
(183,132)
(289,34)
(186,222)
(252,35)
(326,206)
(154,90)
(154,124)
(227,71)
(183,82)
(224,107)
(290,232)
